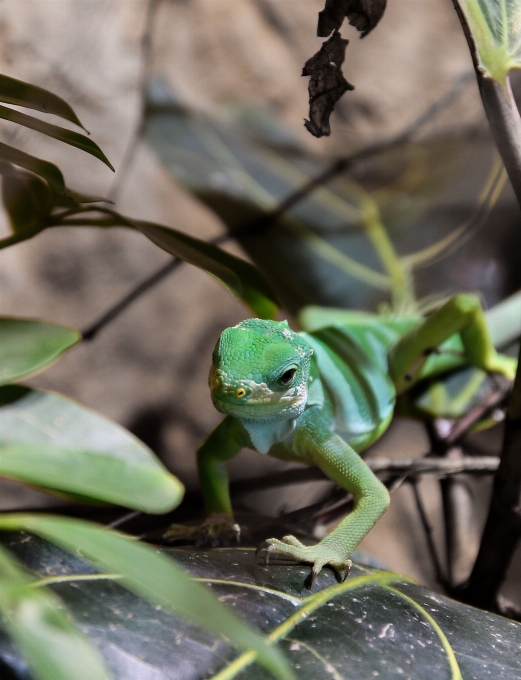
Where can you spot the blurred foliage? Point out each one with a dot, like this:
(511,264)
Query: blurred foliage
(60,447)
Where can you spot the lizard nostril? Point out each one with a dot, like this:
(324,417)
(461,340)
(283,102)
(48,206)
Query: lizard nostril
(216,382)
(240,392)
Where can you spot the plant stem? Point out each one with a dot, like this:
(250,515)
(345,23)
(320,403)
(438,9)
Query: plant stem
(503,527)
(505,125)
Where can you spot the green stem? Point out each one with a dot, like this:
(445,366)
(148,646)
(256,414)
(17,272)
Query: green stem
(70,578)
(401,282)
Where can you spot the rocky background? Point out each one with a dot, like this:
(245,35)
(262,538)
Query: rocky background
(148,369)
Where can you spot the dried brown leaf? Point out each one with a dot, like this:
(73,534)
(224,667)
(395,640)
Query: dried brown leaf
(362,14)
(327,83)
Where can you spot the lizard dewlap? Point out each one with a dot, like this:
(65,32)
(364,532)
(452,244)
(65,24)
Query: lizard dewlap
(320,398)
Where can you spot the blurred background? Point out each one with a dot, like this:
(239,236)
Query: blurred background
(205,98)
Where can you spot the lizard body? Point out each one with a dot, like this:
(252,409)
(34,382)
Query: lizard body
(322,397)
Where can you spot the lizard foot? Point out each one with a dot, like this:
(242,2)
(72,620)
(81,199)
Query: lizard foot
(214,531)
(319,555)
(507,366)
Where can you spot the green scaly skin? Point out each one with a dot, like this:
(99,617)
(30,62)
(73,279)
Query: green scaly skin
(320,398)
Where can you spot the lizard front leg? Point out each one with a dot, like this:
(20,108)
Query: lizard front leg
(224,443)
(316,442)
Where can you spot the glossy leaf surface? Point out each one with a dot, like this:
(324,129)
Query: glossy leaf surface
(348,634)
(19,93)
(27,346)
(42,629)
(495,27)
(68,136)
(54,443)
(151,575)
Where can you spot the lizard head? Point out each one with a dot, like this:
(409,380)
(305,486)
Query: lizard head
(260,371)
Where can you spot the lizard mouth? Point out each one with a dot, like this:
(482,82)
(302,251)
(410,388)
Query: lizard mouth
(259,408)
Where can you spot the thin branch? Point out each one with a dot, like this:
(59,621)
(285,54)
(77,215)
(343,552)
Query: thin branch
(427,529)
(92,331)
(464,425)
(395,467)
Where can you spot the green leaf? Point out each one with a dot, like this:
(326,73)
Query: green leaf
(53,443)
(27,199)
(48,171)
(41,628)
(152,576)
(68,136)
(13,91)
(28,346)
(495,28)
(240,277)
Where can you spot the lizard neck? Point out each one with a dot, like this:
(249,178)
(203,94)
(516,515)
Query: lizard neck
(266,433)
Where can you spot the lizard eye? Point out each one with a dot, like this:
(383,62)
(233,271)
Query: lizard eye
(287,376)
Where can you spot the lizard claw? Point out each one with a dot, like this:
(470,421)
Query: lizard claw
(215,530)
(319,556)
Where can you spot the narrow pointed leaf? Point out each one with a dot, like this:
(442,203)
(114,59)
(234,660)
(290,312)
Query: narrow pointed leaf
(85,198)
(27,346)
(68,136)
(42,630)
(152,576)
(19,93)
(240,277)
(54,443)
(495,28)
(48,171)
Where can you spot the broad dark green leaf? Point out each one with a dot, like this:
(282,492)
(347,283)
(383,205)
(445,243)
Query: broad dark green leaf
(27,199)
(368,631)
(240,277)
(19,93)
(68,136)
(152,576)
(48,171)
(43,631)
(26,346)
(53,443)
(318,252)
(495,28)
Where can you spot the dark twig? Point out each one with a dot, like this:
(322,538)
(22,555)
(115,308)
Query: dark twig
(463,426)
(427,529)
(503,526)
(393,467)
(91,331)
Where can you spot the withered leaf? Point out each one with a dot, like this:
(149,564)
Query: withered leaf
(327,83)
(362,14)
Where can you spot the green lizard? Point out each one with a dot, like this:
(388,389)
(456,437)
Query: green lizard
(322,397)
